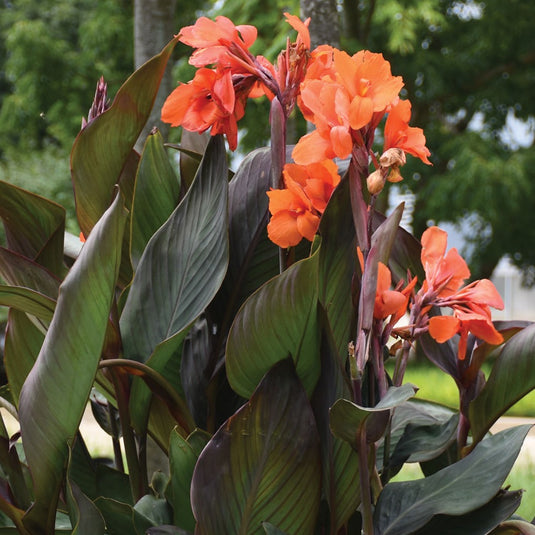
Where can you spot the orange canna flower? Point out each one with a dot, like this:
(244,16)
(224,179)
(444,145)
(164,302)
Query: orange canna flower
(398,133)
(389,302)
(212,99)
(351,93)
(445,275)
(219,42)
(296,210)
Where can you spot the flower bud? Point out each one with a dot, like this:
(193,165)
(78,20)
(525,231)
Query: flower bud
(376,182)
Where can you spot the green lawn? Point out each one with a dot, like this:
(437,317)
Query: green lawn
(436,385)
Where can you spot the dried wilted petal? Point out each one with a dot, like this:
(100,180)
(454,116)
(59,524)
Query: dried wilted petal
(393,157)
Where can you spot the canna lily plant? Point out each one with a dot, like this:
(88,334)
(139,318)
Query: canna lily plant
(254,326)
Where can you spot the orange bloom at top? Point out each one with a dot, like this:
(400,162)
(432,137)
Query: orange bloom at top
(296,210)
(219,42)
(445,276)
(352,92)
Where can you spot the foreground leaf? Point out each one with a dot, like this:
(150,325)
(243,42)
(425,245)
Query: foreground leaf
(263,465)
(58,386)
(403,507)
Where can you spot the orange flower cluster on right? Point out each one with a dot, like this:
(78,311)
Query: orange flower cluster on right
(443,287)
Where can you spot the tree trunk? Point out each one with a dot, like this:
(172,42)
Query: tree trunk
(153,29)
(324,23)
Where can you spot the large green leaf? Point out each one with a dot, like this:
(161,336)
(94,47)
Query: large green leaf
(34,226)
(29,301)
(478,522)
(339,461)
(178,275)
(18,270)
(103,147)
(183,264)
(156,195)
(263,465)
(54,396)
(465,486)
(277,321)
(512,377)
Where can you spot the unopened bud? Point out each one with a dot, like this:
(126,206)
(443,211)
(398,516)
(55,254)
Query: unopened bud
(393,158)
(376,182)
(100,102)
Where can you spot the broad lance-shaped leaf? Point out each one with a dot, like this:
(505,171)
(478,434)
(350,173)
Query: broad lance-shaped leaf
(262,465)
(277,321)
(103,147)
(156,195)
(512,377)
(337,263)
(55,394)
(28,301)
(339,461)
(465,486)
(34,226)
(183,264)
(179,273)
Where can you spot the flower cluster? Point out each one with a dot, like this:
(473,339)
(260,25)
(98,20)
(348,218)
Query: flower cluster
(228,74)
(444,287)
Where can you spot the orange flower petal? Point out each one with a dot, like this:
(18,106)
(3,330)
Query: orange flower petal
(282,229)
(311,148)
(442,328)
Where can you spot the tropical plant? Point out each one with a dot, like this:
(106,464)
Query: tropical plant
(254,360)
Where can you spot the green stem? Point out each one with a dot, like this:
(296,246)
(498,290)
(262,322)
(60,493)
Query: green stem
(364,474)
(182,415)
(121,395)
